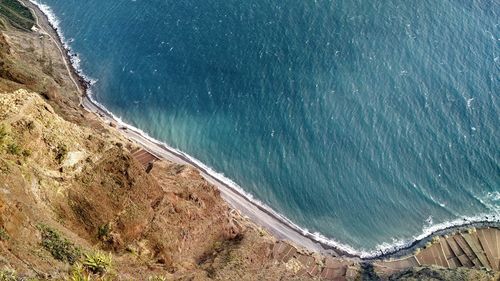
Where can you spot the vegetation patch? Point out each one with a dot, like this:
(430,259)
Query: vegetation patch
(14,149)
(98,262)
(8,275)
(78,273)
(3,236)
(60,248)
(103,232)
(17,14)
(19,9)
(11,275)
(3,133)
(10,146)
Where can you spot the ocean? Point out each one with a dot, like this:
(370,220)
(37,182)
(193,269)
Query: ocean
(369,123)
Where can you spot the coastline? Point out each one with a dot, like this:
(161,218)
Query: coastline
(262,215)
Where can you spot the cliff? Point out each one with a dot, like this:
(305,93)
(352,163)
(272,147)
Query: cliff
(67,191)
(78,201)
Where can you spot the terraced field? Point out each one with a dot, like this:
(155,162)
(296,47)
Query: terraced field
(474,249)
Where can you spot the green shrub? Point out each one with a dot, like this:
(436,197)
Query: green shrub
(78,273)
(3,133)
(3,235)
(98,262)
(103,231)
(60,248)
(14,149)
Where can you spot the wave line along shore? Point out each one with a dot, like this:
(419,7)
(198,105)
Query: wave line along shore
(258,212)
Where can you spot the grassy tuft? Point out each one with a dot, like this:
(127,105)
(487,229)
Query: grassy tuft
(3,133)
(14,149)
(98,262)
(103,231)
(3,235)
(60,248)
(78,273)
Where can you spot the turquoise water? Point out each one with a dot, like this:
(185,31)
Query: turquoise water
(366,121)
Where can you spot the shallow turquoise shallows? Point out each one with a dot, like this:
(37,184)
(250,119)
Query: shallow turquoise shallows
(365,121)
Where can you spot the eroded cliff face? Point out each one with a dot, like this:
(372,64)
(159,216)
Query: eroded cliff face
(84,185)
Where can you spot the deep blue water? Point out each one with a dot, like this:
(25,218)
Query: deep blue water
(366,121)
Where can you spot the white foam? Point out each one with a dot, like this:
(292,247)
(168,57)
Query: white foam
(384,248)
(469,102)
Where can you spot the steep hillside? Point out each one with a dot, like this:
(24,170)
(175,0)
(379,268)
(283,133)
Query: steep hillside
(67,191)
